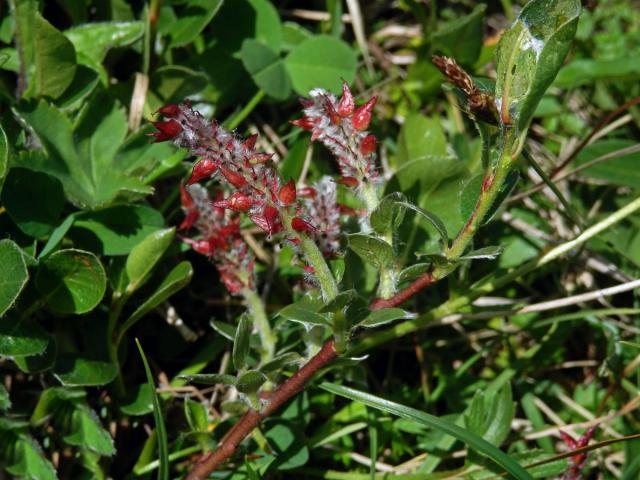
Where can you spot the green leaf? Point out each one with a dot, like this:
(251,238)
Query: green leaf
(72,281)
(40,362)
(530,54)
(306,312)
(13,274)
(87,432)
(320,62)
(93,40)
(490,414)
(34,201)
(287,442)
(191,21)
(340,302)
(75,371)
(430,421)
(241,342)
(584,71)
(462,38)
(372,250)
(388,215)
(178,278)
(196,415)
(433,219)
(172,83)
(488,253)
(161,431)
(266,69)
(210,378)
(30,462)
(145,255)
(4,156)
(471,192)
(56,236)
(54,61)
(116,230)
(21,337)
(384,316)
(140,403)
(249,382)
(619,170)
(421,138)
(280,361)
(5,401)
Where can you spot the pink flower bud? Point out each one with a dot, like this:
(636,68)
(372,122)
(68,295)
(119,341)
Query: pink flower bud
(301,225)
(287,194)
(250,142)
(348,181)
(260,158)
(185,198)
(203,169)
(234,178)
(200,246)
(331,111)
(267,220)
(189,220)
(169,130)
(171,110)
(306,123)
(362,115)
(368,144)
(347,104)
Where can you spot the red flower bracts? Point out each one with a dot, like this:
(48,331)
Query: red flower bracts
(220,240)
(341,127)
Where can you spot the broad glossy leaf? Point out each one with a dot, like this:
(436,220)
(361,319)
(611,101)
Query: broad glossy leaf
(529,56)
(145,255)
(87,432)
(73,371)
(93,40)
(372,250)
(421,138)
(72,281)
(13,274)
(18,338)
(194,16)
(384,316)
(241,342)
(266,69)
(54,61)
(249,382)
(430,421)
(321,61)
(178,278)
(34,200)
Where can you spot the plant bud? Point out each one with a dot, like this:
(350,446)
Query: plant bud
(346,104)
(287,194)
(362,115)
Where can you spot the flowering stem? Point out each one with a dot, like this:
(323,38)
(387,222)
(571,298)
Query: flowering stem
(267,337)
(369,193)
(314,257)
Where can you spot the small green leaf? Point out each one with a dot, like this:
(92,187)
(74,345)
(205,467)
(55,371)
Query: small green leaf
(304,311)
(13,274)
(196,415)
(30,462)
(144,257)
(241,342)
(530,54)
(384,316)
(72,281)
(21,338)
(340,302)
(161,430)
(387,216)
(433,219)
(33,200)
(280,361)
(266,69)
(487,253)
(226,330)
(75,371)
(192,19)
(57,235)
(320,62)
(140,403)
(178,278)
(249,382)
(87,432)
(210,378)
(371,250)
(40,362)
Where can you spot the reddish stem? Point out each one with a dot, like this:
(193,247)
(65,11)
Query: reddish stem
(250,420)
(402,296)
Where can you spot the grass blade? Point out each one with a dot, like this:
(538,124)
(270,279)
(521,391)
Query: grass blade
(163,448)
(473,441)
